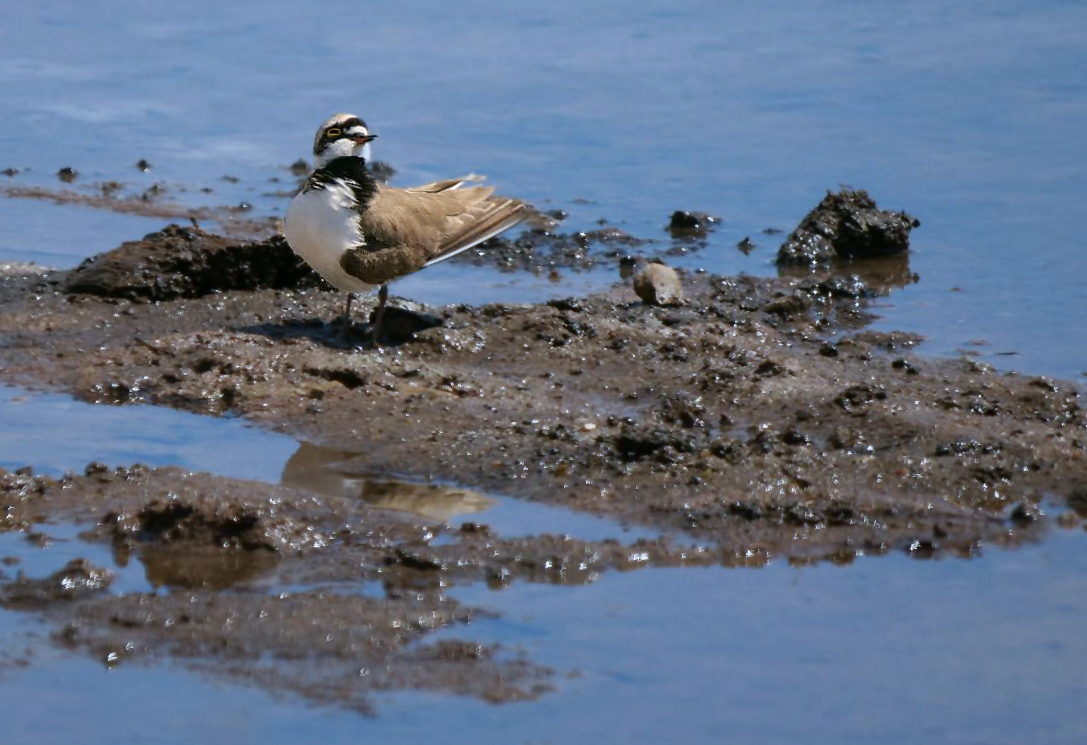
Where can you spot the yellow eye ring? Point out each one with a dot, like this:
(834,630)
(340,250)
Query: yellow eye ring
(333,132)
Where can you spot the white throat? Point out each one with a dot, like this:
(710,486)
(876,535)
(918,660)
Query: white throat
(344,148)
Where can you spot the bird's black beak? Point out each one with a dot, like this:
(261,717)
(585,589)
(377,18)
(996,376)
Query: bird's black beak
(363,139)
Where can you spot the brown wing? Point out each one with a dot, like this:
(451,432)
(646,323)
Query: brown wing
(434,225)
(453,183)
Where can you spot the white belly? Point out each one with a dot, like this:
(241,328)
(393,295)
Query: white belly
(320,225)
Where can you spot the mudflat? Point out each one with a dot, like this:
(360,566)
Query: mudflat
(756,419)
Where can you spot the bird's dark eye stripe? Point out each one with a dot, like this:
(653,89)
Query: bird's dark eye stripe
(333,132)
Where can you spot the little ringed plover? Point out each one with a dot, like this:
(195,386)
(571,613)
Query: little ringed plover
(356,232)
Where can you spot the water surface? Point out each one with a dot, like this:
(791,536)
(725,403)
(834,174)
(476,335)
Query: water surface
(890,650)
(969,116)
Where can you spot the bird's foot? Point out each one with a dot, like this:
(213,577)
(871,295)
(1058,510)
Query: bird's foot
(345,328)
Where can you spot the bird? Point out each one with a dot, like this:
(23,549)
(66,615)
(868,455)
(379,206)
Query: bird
(357,232)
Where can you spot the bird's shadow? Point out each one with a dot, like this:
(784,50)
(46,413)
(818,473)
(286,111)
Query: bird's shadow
(398,327)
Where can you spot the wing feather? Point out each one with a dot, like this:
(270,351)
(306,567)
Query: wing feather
(437,224)
(500,216)
(445,184)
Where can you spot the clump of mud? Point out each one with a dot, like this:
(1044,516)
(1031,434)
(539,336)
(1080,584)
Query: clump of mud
(78,580)
(186,262)
(688,225)
(541,251)
(209,523)
(847,225)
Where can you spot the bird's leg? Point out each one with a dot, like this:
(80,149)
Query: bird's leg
(382,296)
(345,329)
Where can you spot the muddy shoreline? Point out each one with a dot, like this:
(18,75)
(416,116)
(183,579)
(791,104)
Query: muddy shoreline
(758,420)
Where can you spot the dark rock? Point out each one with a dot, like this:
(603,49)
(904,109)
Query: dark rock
(844,287)
(690,224)
(188,263)
(846,225)
(208,524)
(1077,501)
(904,364)
(788,305)
(793,437)
(685,409)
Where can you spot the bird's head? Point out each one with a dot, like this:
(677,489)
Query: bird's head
(343,135)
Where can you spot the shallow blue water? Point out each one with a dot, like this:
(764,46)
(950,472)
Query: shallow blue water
(970,116)
(54,434)
(888,650)
(52,235)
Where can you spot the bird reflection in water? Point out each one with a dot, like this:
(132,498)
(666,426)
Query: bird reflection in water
(331,471)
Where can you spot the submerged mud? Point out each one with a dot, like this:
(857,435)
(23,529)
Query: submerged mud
(269,585)
(154,201)
(754,419)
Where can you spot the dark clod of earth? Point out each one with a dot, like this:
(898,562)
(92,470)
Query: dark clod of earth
(690,224)
(847,225)
(186,262)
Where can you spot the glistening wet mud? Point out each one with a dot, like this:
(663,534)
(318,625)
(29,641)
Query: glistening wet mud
(169,539)
(756,420)
(627,651)
(758,413)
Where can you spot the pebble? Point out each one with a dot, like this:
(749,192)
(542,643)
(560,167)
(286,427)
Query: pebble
(657,284)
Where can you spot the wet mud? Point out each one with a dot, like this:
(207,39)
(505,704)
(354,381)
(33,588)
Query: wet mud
(766,394)
(262,584)
(757,419)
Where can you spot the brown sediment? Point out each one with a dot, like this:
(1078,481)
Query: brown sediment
(262,584)
(744,415)
(759,420)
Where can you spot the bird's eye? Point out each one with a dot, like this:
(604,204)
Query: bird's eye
(333,132)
